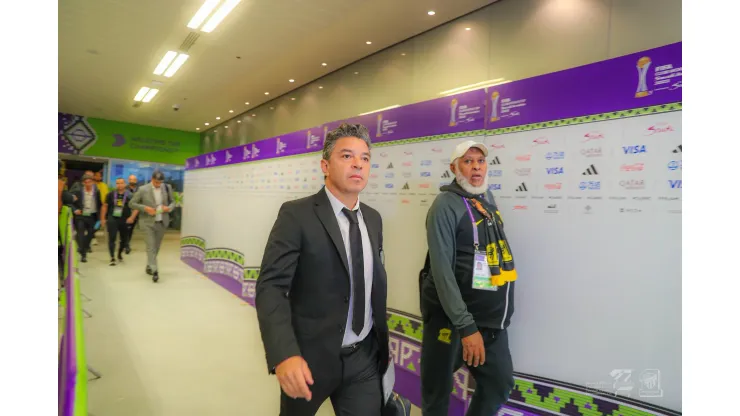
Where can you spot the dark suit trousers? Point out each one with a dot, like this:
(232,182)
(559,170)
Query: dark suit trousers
(354,391)
(85,227)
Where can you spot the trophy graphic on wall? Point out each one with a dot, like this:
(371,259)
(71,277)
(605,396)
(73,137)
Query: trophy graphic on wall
(453,110)
(494,105)
(326,130)
(642,69)
(379,130)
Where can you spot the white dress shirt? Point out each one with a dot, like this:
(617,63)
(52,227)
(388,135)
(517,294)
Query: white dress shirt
(158,201)
(88,203)
(367,253)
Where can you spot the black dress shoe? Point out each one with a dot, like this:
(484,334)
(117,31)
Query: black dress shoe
(120,257)
(84,259)
(148,270)
(112,262)
(155,277)
(128,250)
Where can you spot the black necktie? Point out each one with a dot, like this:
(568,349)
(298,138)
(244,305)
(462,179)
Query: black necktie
(358,272)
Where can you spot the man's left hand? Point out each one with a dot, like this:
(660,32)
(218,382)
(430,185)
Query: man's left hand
(165,209)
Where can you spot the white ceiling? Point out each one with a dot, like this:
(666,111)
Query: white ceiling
(108,50)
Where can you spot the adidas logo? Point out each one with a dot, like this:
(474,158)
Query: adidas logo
(522,188)
(446,174)
(591,171)
(679,149)
(495,161)
(390,166)
(406,186)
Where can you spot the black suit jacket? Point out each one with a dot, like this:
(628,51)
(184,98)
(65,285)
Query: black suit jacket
(302,295)
(80,203)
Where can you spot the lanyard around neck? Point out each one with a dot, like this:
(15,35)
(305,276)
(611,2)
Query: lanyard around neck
(472,220)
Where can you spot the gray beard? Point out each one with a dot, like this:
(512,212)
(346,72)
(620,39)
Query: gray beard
(475,190)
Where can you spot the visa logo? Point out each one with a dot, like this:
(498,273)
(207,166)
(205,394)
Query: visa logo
(426,174)
(389,185)
(389,175)
(554,171)
(495,186)
(426,163)
(676,184)
(634,149)
(376,166)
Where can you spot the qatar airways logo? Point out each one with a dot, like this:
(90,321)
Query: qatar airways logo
(659,128)
(594,135)
(498,146)
(437,150)
(524,158)
(553,186)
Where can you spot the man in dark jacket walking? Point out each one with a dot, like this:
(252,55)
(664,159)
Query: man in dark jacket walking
(467,290)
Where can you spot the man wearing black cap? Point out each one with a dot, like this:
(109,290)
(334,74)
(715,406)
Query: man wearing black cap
(155,202)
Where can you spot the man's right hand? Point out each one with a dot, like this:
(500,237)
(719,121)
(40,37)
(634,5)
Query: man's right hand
(295,377)
(78,212)
(474,350)
(151,211)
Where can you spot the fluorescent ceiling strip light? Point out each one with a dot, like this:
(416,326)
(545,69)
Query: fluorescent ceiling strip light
(165,62)
(380,109)
(142,92)
(458,91)
(176,65)
(202,13)
(220,14)
(148,97)
(477,85)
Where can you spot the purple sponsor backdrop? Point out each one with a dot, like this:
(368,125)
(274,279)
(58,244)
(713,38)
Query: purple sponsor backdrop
(643,79)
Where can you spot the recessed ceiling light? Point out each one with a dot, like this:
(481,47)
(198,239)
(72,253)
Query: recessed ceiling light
(246,103)
(291,80)
(467,28)
(165,62)
(220,14)
(292,99)
(321,87)
(267,93)
(226,127)
(369,43)
(148,97)
(272,108)
(181,58)
(202,13)
(323,64)
(254,115)
(197,128)
(231,111)
(238,121)
(142,92)
(403,54)
(357,73)
(218,118)
(207,124)
(431,13)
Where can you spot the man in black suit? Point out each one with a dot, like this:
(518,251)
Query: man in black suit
(321,294)
(87,212)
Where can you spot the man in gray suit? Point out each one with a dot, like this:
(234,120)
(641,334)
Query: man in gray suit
(155,201)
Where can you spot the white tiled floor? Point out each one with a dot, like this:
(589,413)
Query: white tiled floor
(181,347)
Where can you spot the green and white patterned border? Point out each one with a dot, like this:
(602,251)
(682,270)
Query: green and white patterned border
(193,241)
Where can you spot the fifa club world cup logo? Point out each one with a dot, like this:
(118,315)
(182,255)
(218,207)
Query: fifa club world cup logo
(379,130)
(453,110)
(494,105)
(643,64)
(326,131)
(308,139)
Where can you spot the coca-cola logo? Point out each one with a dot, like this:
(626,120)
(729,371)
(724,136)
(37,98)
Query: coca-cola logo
(553,186)
(635,167)
(593,135)
(659,128)
(524,158)
(520,207)
(540,141)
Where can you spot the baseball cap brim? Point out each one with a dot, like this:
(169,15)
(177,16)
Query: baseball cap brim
(463,147)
